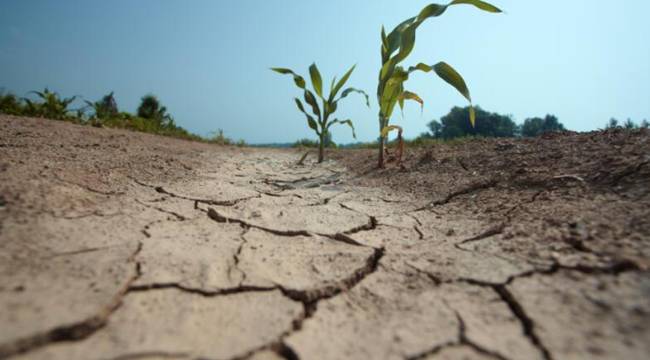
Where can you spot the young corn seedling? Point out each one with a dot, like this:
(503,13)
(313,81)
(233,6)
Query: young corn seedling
(322,112)
(396,47)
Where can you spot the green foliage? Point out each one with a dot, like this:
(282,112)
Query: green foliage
(455,125)
(10,104)
(218,138)
(627,124)
(105,108)
(309,143)
(319,119)
(151,109)
(537,126)
(612,124)
(396,47)
(49,105)
(305,143)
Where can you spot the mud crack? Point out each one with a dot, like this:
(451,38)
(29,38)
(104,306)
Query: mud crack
(199,291)
(77,331)
(464,340)
(527,323)
(341,237)
(178,216)
(464,191)
(161,190)
(493,231)
(149,355)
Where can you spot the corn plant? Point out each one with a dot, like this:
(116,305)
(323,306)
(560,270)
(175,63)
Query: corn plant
(321,123)
(396,47)
(51,105)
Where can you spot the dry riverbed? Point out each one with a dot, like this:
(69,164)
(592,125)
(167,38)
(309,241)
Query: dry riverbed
(120,245)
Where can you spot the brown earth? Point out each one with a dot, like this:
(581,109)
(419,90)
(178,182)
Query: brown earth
(119,245)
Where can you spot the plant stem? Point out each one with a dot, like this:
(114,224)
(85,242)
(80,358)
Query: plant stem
(382,140)
(381,153)
(321,148)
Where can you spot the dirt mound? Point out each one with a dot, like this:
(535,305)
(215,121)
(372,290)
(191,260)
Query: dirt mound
(561,193)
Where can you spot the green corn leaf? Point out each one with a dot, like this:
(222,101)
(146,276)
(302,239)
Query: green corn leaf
(316,80)
(394,38)
(351,90)
(311,100)
(453,78)
(300,106)
(386,130)
(479,4)
(310,120)
(312,124)
(391,91)
(331,107)
(403,36)
(431,10)
(299,80)
(384,43)
(407,95)
(407,42)
(472,115)
(335,90)
(346,122)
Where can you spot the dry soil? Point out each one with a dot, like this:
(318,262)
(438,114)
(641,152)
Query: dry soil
(120,245)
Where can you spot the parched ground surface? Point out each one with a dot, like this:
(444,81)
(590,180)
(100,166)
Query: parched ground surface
(118,245)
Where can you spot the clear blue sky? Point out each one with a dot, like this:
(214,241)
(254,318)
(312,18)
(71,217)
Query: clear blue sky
(582,60)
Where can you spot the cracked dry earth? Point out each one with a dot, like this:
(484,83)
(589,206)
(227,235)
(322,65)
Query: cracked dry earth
(118,245)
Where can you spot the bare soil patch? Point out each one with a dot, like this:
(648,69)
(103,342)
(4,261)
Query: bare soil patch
(119,245)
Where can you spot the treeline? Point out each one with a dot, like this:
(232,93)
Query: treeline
(150,117)
(454,126)
(627,124)
(489,124)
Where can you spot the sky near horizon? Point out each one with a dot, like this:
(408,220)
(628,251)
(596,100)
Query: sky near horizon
(208,61)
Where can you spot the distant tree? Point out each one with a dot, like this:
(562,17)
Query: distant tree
(612,124)
(435,129)
(151,109)
(106,108)
(488,124)
(629,124)
(536,126)
(644,124)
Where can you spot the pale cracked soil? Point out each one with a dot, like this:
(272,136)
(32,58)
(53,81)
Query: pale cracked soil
(119,245)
